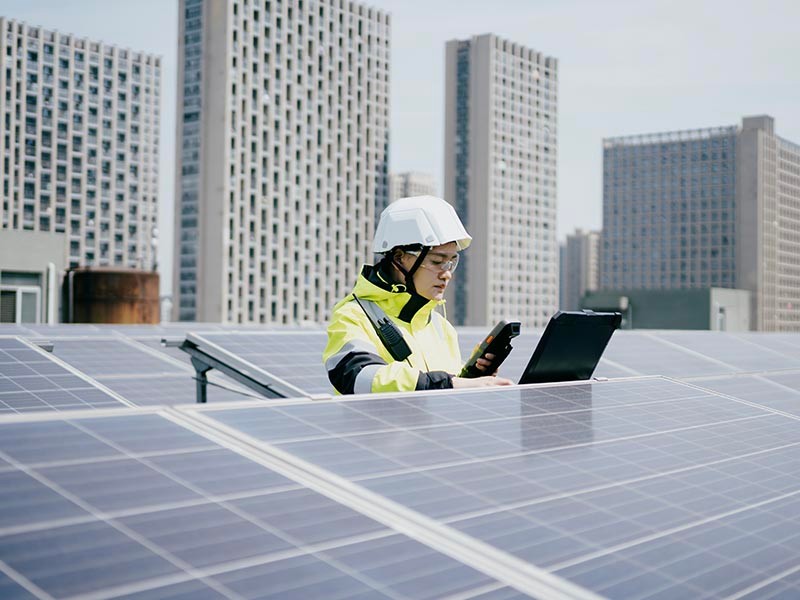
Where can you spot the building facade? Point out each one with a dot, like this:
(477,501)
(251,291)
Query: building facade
(411,183)
(716,207)
(282,154)
(79,127)
(580,268)
(500,174)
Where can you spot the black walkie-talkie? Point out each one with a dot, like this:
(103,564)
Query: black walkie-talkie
(498,342)
(388,332)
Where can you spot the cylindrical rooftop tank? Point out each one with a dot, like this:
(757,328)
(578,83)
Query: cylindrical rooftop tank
(111,295)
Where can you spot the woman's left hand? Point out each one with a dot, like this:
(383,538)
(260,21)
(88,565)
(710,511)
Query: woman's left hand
(485,363)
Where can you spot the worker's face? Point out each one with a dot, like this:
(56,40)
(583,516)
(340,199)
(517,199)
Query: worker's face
(434,274)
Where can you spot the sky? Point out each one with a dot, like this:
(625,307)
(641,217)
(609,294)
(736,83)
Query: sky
(625,67)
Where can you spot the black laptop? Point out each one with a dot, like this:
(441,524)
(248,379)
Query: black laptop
(571,346)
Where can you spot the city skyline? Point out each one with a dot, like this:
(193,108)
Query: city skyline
(622,73)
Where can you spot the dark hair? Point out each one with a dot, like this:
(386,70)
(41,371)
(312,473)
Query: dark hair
(409,248)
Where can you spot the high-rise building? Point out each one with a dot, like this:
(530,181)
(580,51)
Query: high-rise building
(716,207)
(580,268)
(79,126)
(411,183)
(500,174)
(283,120)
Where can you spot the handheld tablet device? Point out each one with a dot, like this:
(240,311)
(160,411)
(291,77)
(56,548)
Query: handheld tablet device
(571,346)
(498,342)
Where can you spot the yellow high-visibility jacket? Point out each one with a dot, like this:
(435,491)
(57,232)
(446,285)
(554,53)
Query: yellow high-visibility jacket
(358,362)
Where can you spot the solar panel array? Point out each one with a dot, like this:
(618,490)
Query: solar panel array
(630,489)
(32,381)
(295,357)
(130,362)
(138,372)
(684,486)
(140,506)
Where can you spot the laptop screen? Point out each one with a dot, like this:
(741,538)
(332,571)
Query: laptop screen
(571,346)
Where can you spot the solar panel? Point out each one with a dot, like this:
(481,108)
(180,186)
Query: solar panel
(139,373)
(139,506)
(788,379)
(646,354)
(783,343)
(32,380)
(634,488)
(11,329)
(739,353)
(294,357)
(776,391)
(168,390)
(112,357)
(68,329)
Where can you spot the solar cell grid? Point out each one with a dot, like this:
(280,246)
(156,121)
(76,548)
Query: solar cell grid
(65,329)
(646,355)
(785,344)
(111,357)
(603,475)
(146,508)
(635,488)
(8,329)
(171,389)
(30,380)
(738,353)
(759,389)
(789,380)
(611,370)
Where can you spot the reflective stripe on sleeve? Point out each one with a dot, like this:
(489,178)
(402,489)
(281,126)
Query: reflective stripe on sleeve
(364,379)
(349,347)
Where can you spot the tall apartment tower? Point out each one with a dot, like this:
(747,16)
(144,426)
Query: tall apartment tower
(579,267)
(283,120)
(79,124)
(500,174)
(410,183)
(716,207)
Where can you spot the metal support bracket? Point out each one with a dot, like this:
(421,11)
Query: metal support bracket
(203,362)
(201,368)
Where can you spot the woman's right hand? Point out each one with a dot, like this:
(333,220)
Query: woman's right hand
(474,382)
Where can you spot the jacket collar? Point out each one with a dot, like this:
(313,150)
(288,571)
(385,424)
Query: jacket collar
(373,284)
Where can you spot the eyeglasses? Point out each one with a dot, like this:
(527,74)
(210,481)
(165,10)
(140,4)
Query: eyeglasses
(437,262)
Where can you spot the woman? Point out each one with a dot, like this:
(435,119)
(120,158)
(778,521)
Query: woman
(419,239)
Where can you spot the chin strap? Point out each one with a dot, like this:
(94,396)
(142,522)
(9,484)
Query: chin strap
(409,275)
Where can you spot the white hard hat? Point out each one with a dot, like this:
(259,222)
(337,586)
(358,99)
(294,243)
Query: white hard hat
(424,220)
